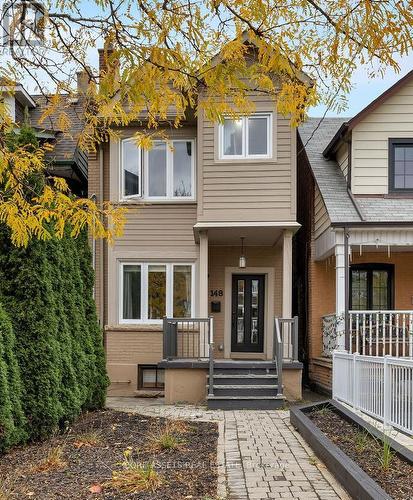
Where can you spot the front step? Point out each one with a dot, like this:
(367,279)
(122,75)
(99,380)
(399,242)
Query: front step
(245,385)
(245,402)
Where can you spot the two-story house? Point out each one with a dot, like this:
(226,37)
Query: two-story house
(205,262)
(354,251)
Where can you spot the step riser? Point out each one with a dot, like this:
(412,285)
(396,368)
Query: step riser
(245,371)
(250,365)
(245,381)
(245,405)
(262,391)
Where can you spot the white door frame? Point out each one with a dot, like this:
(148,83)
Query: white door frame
(268,310)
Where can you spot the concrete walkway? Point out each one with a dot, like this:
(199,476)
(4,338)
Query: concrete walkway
(260,455)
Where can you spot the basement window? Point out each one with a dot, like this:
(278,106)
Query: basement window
(151,377)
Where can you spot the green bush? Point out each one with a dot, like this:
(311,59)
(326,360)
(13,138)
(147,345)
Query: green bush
(47,290)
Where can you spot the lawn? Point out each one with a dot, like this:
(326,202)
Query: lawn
(115,455)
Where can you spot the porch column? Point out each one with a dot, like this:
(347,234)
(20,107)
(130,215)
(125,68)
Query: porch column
(340,288)
(287,273)
(203,274)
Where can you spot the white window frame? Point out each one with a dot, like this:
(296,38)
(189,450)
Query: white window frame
(144,290)
(122,172)
(169,173)
(245,155)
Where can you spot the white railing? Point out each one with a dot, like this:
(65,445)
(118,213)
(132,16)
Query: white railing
(381,333)
(381,387)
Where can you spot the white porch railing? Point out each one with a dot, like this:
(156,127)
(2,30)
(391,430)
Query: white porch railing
(381,387)
(372,333)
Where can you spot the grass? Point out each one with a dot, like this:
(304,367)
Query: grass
(313,460)
(168,437)
(362,440)
(91,438)
(386,453)
(324,410)
(134,477)
(53,460)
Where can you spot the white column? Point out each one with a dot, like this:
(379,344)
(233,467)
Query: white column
(340,287)
(287,294)
(203,274)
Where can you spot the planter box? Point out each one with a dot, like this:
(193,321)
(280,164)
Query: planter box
(357,482)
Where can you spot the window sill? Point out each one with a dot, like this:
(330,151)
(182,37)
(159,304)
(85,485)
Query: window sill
(146,201)
(135,327)
(269,159)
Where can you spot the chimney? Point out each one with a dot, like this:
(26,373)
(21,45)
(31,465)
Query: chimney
(104,56)
(83,80)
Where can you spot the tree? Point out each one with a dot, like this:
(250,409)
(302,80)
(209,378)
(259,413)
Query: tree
(186,56)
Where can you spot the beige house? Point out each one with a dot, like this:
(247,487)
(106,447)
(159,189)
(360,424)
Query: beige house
(208,246)
(355,257)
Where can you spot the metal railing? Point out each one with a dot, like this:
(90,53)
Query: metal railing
(379,386)
(285,344)
(278,355)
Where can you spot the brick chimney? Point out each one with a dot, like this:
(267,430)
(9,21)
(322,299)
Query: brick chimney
(104,56)
(83,80)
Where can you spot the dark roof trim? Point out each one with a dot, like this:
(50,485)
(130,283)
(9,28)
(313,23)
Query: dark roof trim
(347,127)
(371,223)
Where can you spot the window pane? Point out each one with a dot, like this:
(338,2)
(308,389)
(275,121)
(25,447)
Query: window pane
(156,292)
(399,167)
(399,153)
(254,311)
(240,312)
(408,183)
(380,290)
(131,292)
(182,291)
(409,153)
(157,169)
(399,181)
(131,168)
(182,156)
(359,290)
(232,137)
(257,136)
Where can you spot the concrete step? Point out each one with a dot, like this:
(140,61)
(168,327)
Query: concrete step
(245,379)
(245,390)
(245,402)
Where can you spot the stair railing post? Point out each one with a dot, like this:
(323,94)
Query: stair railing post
(295,345)
(211,357)
(278,358)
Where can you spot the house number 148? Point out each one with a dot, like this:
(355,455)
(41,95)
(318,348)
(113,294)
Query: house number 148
(216,293)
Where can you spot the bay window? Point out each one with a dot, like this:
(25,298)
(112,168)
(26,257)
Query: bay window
(151,291)
(168,170)
(246,137)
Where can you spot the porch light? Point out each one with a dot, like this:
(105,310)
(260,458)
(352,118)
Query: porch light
(242,259)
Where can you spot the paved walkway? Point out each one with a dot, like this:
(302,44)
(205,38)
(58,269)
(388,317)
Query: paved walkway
(260,455)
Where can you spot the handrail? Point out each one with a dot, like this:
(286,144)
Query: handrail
(278,355)
(211,357)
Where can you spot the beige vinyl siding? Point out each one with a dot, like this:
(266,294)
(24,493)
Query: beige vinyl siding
(321,218)
(392,119)
(247,190)
(342,159)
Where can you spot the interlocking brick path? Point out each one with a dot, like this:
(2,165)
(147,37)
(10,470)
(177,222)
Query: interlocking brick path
(260,455)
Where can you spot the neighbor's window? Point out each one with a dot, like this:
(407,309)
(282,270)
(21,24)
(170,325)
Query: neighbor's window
(371,287)
(169,170)
(131,169)
(247,137)
(151,291)
(401,164)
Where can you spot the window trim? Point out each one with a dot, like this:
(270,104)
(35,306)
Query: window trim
(144,288)
(369,268)
(245,137)
(169,173)
(391,152)
(123,196)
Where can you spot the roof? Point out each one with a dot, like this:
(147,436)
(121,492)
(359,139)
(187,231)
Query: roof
(66,143)
(342,207)
(350,124)
(315,134)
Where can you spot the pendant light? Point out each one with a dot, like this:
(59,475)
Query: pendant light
(242,260)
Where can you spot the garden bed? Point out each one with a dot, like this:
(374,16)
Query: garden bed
(115,455)
(353,451)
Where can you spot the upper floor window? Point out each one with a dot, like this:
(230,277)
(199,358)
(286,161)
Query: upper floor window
(371,287)
(168,170)
(246,137)
(401,164)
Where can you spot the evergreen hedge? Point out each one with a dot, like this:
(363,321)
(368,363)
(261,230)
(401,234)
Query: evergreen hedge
(59,365)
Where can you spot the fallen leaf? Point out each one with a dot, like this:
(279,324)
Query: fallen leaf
(95,488)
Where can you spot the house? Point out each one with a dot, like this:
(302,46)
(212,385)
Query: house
(355,192)
(189,294)
(66,160)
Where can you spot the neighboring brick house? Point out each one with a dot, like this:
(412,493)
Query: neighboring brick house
(208,234)
(65,160)
(355,177)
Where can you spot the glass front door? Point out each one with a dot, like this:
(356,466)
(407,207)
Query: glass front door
(248,295)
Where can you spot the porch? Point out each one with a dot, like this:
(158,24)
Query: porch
(192,370)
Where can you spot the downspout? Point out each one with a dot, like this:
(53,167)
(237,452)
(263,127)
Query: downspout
(101,243)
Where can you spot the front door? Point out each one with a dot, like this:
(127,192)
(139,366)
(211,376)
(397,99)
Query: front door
(247,330)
